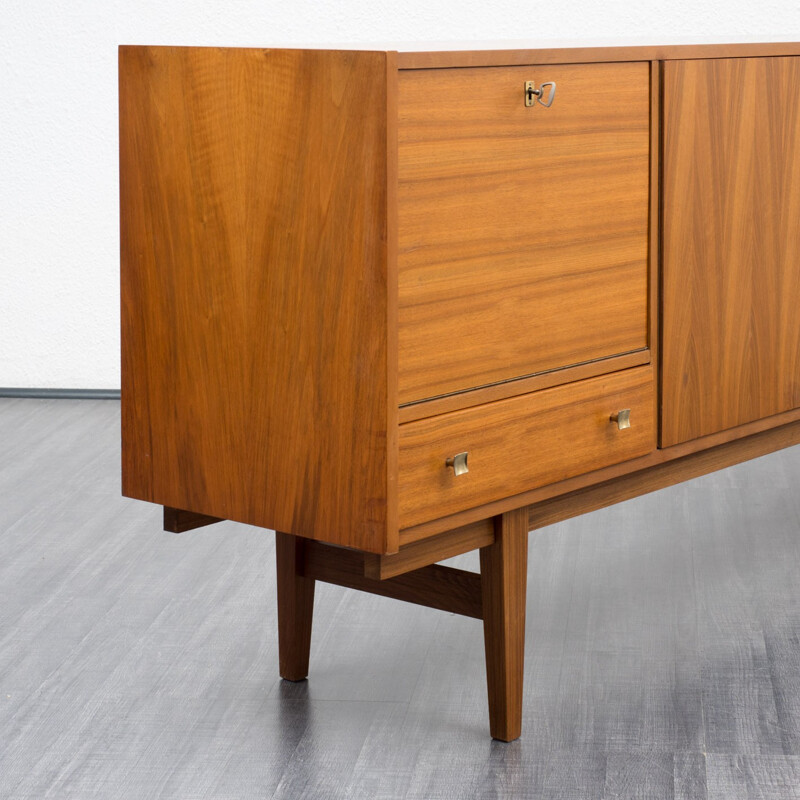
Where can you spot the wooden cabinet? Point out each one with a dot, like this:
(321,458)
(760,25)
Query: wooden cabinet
(731,162)
(395,308)
(313,242)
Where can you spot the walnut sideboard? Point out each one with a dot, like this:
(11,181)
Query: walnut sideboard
(400,306)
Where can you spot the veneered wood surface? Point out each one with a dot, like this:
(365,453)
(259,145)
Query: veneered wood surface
(523,232)
(523,442)
(467,56)
(504,575)
(731,274)
(255,345)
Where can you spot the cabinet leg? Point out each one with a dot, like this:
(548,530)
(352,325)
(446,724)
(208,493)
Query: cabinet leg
(504,572)
(295,607)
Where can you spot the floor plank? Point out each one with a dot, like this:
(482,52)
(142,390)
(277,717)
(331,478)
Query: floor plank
(732,777)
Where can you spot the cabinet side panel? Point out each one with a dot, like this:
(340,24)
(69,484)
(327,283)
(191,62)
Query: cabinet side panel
(731,244)
(254,287)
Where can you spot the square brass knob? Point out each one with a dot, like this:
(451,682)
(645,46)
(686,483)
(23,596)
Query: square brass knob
(459,463)
(622,418)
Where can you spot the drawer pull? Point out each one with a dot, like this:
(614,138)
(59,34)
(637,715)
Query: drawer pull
(622,418)
(459,463)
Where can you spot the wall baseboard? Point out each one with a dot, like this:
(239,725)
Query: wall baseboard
(61,394)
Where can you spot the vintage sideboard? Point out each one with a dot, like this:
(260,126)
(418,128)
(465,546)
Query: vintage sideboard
(398,306)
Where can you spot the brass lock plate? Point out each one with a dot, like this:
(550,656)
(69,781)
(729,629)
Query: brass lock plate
(530,93)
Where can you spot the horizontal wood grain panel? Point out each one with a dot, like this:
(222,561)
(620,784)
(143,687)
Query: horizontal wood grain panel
(522,442)
(523,232)
(731,239)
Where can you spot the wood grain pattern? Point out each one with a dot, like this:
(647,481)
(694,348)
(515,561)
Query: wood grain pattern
(176,520)
(295,593)
(504,575)
(731,329)
(445,588)
(523,442)
(523,232)
(468,56)
(429,551)
(257,350)
(500,391)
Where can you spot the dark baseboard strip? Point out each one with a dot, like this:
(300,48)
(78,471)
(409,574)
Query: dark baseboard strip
(62,394)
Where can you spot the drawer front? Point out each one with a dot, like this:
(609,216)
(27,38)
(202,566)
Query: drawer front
(521,443)
(523,232)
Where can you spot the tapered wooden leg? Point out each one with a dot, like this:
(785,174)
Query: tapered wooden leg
(295,607)
(504,572)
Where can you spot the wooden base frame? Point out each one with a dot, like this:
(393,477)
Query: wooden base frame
(497,596)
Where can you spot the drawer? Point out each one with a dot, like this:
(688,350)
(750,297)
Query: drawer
(522,232)
(521,443)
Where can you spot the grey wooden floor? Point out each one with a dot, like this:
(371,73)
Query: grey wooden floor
(662,659)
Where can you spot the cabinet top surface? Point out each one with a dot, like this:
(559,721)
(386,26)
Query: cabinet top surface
(553,52)
(431,55)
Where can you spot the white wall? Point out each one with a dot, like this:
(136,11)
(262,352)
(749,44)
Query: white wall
(59,240)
